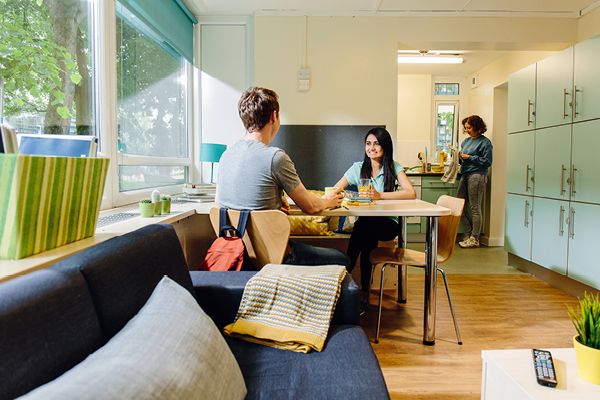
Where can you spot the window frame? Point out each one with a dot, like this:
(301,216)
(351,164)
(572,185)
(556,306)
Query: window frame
(107,118)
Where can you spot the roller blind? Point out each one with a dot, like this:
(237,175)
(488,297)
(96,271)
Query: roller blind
(170,19)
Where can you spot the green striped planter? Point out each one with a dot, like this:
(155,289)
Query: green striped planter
(46,202)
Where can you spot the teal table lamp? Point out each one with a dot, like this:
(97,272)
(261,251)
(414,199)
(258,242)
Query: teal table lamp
(211,152)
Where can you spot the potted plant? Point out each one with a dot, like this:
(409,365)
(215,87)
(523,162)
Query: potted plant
(155,197)
(165,201)
(146,208)
(587,342)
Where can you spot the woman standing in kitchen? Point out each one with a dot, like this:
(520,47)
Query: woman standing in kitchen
(384,173)
(475,158)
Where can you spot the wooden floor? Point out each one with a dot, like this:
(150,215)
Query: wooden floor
(494,312)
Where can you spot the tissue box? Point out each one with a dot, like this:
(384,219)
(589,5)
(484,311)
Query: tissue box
(46,202)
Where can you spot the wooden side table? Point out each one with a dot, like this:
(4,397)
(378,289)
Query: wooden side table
(509,374)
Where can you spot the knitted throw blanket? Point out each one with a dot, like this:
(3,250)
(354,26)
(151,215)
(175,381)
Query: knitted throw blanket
(288,306)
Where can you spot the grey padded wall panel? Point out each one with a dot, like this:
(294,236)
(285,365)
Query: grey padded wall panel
(322,153)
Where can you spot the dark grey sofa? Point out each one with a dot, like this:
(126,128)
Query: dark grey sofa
(52,319)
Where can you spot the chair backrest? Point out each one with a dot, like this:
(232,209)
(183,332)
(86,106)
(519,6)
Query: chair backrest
(448,226)
(267,234)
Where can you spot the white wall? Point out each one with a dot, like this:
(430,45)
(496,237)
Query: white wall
(589,25)
(414,117)
(353,59)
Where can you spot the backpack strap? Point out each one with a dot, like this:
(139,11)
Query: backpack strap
(244,215)
(222,218)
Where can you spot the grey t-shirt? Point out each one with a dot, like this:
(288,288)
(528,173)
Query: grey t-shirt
(253,175)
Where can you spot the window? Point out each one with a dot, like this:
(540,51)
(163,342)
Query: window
(153,143)
(446,89)
(47,75)
(445,129)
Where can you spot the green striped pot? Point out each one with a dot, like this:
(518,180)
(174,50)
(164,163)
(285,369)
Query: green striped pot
(46,202)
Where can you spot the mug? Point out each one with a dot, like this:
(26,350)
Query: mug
(330,189)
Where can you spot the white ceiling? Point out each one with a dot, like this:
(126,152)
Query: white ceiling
(503,8)
(475,57)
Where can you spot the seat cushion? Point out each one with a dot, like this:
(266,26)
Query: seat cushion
(122,272)
(346,369)
(169,350)
(48,324)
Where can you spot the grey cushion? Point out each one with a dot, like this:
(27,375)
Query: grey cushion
(122,272)
(346,369)
(48,323)
(170,350)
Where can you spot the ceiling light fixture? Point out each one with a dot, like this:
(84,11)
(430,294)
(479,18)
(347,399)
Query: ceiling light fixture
(426,57)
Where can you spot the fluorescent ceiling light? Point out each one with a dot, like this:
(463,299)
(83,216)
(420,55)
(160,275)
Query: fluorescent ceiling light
(429,59)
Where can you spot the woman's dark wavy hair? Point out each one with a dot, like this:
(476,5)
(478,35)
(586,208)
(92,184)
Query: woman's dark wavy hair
(385,141)
(476,123)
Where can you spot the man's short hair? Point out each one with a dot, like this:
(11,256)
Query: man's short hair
(256,106)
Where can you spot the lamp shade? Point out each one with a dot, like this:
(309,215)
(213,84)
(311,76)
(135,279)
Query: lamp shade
(211,152)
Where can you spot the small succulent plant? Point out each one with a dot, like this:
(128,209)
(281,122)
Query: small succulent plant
(146,201)
(165,197)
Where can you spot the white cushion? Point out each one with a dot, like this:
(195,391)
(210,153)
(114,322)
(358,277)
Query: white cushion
(170,350)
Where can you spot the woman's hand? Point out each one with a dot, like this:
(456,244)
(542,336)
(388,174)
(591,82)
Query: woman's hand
(374,194)
(463,156)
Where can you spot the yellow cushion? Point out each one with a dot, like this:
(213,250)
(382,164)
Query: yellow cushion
(308,225)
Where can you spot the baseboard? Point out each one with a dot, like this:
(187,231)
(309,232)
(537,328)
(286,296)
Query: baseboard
(554,279)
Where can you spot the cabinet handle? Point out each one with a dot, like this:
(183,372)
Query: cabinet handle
(565,93)
(526,221)
(527,169)
(575,91)
(561,215)
(571,222)
(572,179)
(529,113)
(562,179)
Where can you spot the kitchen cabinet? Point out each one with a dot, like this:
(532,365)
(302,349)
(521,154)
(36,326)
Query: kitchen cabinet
(552,162)
(585,173)
(520,165)
(521,100)
(554,89)
(518,227)
(432,188)
(553,179)
(586,62)
(550,234)
(583,239)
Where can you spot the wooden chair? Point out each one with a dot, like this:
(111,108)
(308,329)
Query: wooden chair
(267,234)
(447,230)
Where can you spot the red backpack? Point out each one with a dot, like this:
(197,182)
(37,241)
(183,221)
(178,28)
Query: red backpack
(228,252)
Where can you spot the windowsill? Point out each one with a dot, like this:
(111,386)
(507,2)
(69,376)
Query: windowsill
(11,268)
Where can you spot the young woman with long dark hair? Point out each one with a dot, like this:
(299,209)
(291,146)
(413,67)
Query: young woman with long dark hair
(385,174)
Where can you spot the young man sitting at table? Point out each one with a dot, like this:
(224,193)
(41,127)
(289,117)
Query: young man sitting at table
(253,175)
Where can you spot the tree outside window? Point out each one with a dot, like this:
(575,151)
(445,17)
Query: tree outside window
(46,66)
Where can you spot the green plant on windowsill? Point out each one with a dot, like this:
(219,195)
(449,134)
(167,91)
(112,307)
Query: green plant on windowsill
(587,342)
(165,201)
(146,208)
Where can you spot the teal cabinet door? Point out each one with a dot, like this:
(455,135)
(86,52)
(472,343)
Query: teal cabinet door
(554,88)
(431,195)
(583,239)
(549,237)
(521,100)
(585,170)
(586,83)
(519,212)
(552,162)
(520,163)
